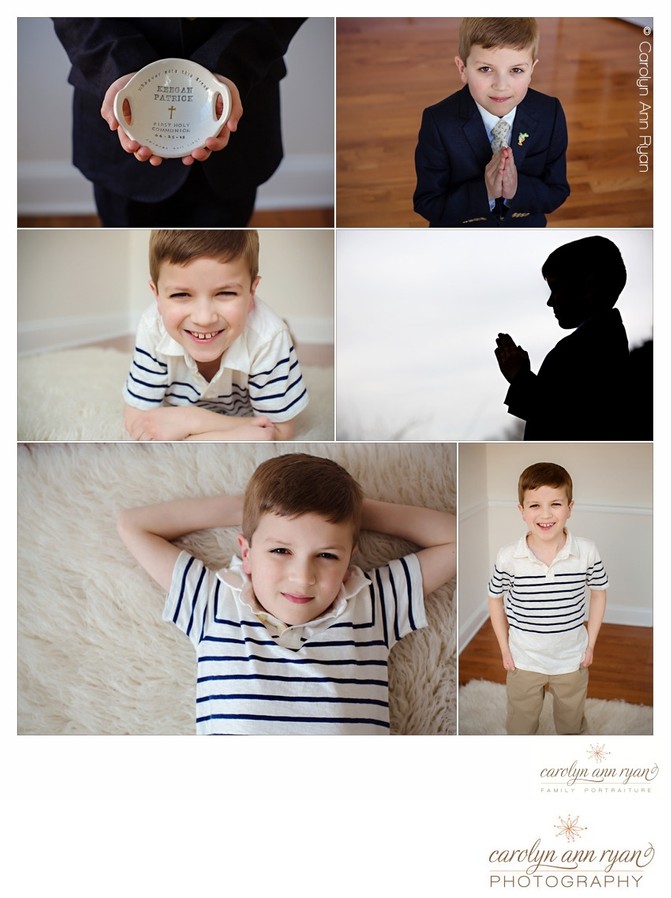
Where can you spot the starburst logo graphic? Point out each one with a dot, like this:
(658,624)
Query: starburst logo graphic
(598,753)
(569,828)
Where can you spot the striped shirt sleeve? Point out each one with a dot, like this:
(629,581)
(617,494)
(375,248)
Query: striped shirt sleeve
(276,385)
(499,582)
(192,589)
(597,578)
(398,597)
(147,379)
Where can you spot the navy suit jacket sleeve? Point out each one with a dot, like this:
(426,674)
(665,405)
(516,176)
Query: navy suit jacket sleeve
(450,190)
(453,151)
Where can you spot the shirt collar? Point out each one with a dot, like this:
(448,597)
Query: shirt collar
(291,636)
(489,119)
(522,549)
(236,356)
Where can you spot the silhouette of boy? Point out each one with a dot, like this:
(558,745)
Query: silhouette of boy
(580,391)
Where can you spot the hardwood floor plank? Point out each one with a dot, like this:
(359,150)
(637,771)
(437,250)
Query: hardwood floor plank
(622,666)
(270,218)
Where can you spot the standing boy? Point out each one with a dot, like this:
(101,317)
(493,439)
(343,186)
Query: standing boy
(537,604)
(493,154)
(292,638)
(211,361)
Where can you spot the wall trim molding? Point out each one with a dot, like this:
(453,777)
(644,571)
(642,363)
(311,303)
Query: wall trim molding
(56,187)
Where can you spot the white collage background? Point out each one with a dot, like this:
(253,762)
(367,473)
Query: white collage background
(427,815)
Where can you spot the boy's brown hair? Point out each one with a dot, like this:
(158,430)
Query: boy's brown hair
(544,473)
(516,33)
(298,483)
(182,247)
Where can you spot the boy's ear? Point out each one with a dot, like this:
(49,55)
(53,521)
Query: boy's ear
(153,289)
(533,66)
(461,68)
(244,551)
(255,284)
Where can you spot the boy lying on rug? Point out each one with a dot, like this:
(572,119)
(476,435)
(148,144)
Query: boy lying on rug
(293,638)
(211,361)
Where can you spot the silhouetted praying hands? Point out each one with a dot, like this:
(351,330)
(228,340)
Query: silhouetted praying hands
(512,359)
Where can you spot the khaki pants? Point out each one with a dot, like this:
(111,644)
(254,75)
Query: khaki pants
(526,691)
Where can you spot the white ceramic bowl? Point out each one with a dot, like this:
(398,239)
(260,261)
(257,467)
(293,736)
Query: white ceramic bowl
(173,107)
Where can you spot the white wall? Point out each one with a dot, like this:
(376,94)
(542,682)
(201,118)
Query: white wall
(472,544)
(49,184)
(79,286)
(612,491)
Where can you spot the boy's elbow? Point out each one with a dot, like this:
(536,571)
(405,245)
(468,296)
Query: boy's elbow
(285,430)
(123,519)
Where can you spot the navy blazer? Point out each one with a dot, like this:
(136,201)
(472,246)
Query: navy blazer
(453,151)
(248,51)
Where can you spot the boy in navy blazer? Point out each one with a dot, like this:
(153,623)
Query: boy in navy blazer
(494,153)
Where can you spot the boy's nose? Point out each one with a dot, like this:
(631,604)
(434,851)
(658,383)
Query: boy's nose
(203,312)
(303,572)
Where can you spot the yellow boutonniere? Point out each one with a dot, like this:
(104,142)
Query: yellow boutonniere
(521,137)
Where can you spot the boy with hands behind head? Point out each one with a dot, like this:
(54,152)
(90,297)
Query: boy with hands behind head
(293,638)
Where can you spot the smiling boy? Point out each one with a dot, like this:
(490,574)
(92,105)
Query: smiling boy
(211,360)
(292,637)
(537,605)
(493,154)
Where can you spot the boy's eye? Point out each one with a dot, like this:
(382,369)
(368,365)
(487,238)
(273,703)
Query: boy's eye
(485,69)
(280,550)
(517,71)
(178,295)
(328,555)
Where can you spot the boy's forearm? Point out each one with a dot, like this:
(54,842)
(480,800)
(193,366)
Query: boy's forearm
(170,520)
(499,621)
(597,609)
(148,532)
(425,527)
(433,531)
(172,422)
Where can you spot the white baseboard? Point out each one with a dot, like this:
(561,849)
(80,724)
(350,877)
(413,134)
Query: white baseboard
(57,188)
(51,334)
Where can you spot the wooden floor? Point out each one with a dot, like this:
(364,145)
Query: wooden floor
(622,666)
(274,218)
(389,70)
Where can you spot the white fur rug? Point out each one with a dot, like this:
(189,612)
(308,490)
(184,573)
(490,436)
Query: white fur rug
(94,655)
(482,712)
(84,402)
